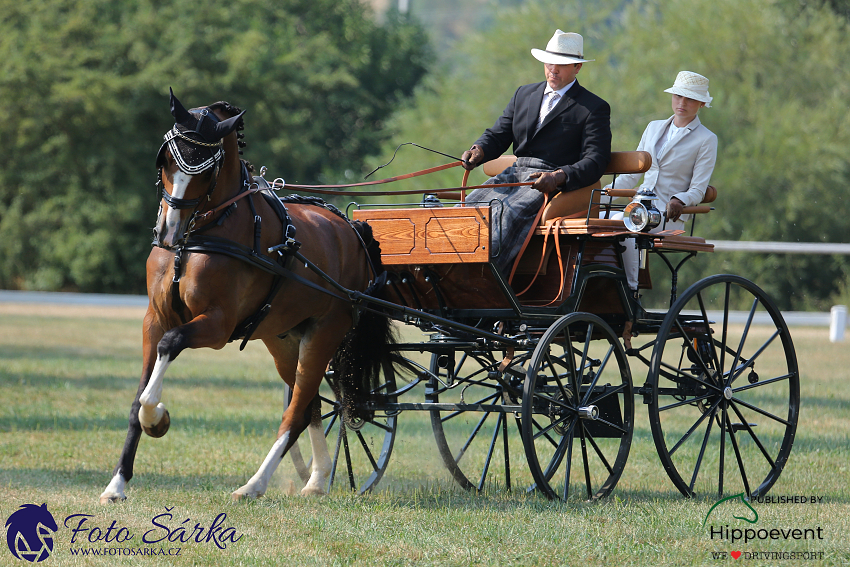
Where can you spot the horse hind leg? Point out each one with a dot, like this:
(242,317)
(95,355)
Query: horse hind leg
(321,469)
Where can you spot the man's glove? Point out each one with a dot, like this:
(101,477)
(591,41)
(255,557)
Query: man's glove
(548,181)
(472,158)
(674,209)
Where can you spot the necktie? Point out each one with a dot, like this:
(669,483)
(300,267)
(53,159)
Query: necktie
(553,100)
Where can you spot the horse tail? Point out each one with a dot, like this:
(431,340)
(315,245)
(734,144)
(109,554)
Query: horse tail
(366,349)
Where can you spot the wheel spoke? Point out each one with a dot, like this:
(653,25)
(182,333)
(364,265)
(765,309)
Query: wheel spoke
(754,437)
(367,451)
(493,440)
(702,449)
(763,412)
(694,427)
(739,458)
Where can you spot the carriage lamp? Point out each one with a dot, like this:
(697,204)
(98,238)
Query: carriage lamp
(641,215)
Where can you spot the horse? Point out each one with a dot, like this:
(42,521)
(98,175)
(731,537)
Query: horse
(211,279)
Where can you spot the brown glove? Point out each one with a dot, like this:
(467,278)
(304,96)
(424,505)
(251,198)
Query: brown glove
(548,181)
(674,209)
(472,158)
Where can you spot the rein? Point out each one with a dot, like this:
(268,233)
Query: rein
(329,189)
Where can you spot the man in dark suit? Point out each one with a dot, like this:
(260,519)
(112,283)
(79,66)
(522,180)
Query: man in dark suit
(561,135)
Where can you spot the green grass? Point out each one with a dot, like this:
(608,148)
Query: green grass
(68,376)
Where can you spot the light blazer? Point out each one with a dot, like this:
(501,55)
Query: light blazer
(683,170)
(576,134)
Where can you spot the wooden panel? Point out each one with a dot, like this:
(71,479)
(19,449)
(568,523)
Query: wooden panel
(463,286)
(440,235)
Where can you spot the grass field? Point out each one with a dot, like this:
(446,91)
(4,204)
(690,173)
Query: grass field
(68,376)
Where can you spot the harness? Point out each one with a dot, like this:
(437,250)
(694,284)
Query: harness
(194,155)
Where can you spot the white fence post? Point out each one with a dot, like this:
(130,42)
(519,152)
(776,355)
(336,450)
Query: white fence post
(837,323)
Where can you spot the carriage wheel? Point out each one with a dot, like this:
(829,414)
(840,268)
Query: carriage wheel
(725,389)
(476,446)
(577,409)
(360,445)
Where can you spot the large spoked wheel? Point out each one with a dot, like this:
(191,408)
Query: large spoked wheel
(360,441)
(578,409)
(479,441)
(725,389)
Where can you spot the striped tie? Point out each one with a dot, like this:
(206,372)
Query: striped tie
(553,100)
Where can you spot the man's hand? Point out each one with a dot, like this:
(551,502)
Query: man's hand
(674,209)
(472,158)
(548,181)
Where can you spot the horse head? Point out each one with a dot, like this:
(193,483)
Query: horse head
(190,162)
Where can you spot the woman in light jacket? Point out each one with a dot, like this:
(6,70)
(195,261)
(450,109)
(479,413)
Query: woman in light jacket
(683,155)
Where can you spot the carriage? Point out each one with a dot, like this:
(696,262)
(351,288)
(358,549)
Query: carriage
(528,382)
(548,358)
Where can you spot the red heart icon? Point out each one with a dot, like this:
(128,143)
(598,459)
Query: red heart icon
(735,554)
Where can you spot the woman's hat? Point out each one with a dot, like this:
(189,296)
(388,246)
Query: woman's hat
(691,85)
(564,48)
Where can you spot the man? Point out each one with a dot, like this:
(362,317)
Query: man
(561,135)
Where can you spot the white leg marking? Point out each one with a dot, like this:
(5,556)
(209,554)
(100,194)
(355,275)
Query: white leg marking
(258,484)
(115,490)
(152,411)
(321,463)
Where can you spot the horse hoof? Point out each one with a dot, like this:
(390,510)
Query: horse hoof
(157,430)
(111,499)
(239,496)
(313,491)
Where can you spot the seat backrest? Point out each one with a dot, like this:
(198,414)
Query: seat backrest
(621,162)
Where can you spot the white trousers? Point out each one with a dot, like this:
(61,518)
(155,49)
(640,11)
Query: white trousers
(631,256)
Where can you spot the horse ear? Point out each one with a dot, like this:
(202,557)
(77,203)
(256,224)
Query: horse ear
(180,114)
(225,127)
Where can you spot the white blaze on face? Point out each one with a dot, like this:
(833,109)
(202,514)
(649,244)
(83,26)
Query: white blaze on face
(172,216)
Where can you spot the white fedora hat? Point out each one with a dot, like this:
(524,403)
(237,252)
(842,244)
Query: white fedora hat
(564,48)
(691,85)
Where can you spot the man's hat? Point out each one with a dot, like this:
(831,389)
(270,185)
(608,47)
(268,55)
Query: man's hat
(691,85)
(564,48)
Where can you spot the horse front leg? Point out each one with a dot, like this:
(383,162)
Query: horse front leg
(205,330)
(123,471)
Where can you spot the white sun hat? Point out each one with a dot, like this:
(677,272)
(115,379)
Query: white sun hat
(691,85)
(564,48)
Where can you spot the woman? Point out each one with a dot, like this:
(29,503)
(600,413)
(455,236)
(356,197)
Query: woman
(683,155)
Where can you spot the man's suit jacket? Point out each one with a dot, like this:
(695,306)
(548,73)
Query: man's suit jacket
(576,134)
(684,167)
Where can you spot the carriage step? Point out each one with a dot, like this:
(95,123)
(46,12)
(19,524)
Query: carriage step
(741,426)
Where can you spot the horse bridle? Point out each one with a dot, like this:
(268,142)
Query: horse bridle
(188,165)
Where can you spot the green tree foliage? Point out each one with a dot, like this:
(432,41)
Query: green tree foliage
(780,84)
(85,85)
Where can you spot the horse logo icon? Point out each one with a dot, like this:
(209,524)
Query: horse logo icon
(742,498)
(29,532)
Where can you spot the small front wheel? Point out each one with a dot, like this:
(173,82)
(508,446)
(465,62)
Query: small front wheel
(577,409)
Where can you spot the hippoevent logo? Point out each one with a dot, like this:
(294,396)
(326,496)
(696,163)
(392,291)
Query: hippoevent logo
(29,532)
(32,533)
(739,536)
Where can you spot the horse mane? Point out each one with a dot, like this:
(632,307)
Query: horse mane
(233,110)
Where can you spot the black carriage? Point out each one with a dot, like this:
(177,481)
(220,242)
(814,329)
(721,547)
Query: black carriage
(558,359)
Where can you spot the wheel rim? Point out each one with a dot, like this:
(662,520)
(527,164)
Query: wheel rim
(360,447)
(477,447)
(570,453)
(725,393)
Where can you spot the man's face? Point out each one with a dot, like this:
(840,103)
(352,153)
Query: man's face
(559,76)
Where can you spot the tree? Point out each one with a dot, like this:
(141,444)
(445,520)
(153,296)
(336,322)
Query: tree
(85,86)
(780,82)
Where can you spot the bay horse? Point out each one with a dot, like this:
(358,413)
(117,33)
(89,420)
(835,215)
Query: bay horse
(210,280)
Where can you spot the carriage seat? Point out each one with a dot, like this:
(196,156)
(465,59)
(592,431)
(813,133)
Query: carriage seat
(575,203)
